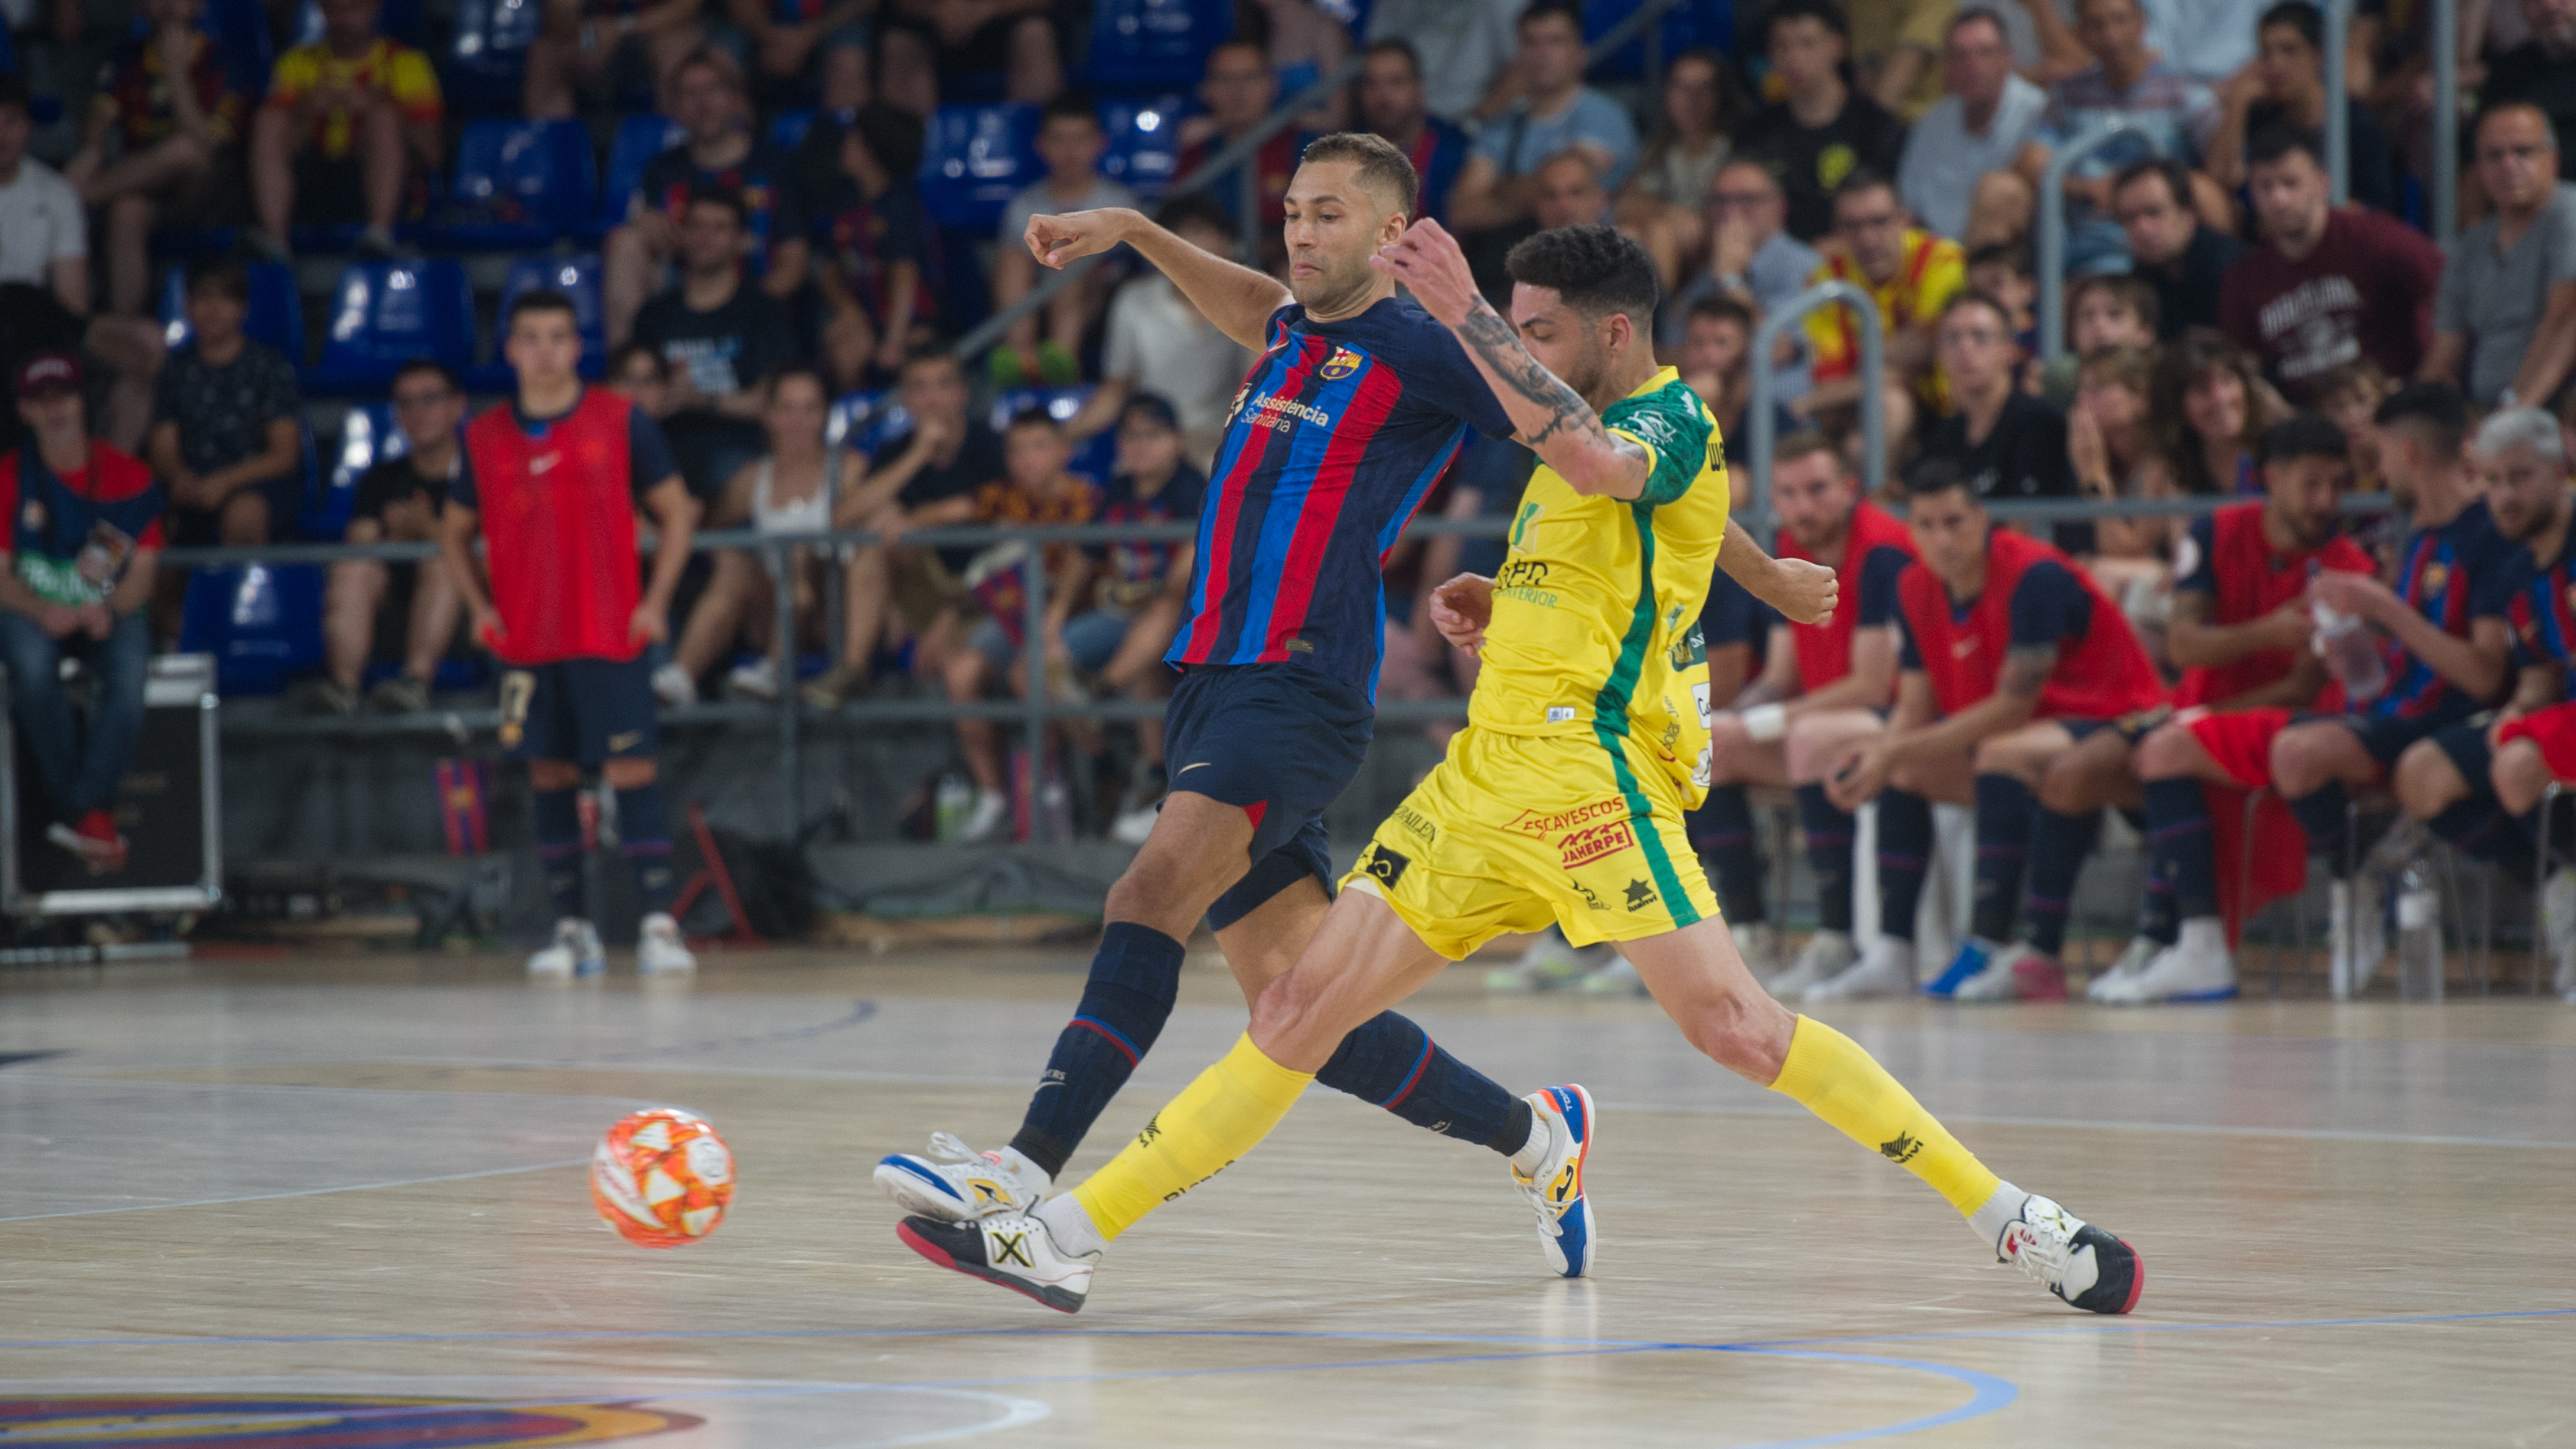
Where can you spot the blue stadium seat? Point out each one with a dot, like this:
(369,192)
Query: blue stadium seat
(639,139)
(241,28)
(576,277)
(974,160)
(368,436)
(1150,46)
(517,183)
(403,20)
(384,314)
(1094,457)
(1691,23)
(487,59)
(1144,152)
(276,312)
(787,129)
(262,622)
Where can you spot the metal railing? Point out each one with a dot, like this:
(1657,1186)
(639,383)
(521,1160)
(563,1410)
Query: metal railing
(1761,416)
(2052,229)
(2338,18)
(2445,21)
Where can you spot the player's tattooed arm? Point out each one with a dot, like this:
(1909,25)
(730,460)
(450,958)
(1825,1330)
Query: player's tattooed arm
(2026,668)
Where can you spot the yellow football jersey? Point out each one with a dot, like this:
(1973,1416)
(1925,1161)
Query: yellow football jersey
(1595,627)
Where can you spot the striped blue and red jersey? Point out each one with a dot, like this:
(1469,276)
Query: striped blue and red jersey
(1339,431)
(2542,612)
(2461,571)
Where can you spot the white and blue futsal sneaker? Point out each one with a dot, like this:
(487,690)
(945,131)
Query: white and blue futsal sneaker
(1566,1233)
(575,951)
(2198,967)
(955,1183)
(1014,1250)
(2083,1265)
(1975,955)
(1996,981)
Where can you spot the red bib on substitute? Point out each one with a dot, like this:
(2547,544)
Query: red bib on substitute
(558,513)
(2253,580)
(2102,675)
(1824,650)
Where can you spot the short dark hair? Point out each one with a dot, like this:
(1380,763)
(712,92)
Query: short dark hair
(1034,415)
(416,365)
(1864,178)
(1565,10)
(724,196)
(1987,300)
(2281,138)
(1790,447)
(1974,14)
(1724,309)
(1938,475)
(1595,269)
(805,370)
(1823,12)
(928,350)
(2437,408)
(2130,290)
(2477,127)
(1070,106)
(617,360)
(892,134)
(225,275)
(1398,45)
(1194,207)
(2003,254)
(2298,15)
(1382,165)
(2175,175)
(539,299)
(2303,435)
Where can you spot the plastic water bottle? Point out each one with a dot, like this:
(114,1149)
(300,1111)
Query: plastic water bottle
(954,801)
(2419,936)
(2350,651)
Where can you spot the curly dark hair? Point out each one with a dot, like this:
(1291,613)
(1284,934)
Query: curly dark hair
(2198,354)
(1594,268)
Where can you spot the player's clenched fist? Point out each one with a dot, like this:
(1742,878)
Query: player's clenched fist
(1056,240)
(1803,591)
(1427,261)
(1461,608)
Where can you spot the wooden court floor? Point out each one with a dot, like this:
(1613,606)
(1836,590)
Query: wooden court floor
(321,1204)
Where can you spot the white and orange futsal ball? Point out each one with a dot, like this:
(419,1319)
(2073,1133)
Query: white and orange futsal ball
(662,1178)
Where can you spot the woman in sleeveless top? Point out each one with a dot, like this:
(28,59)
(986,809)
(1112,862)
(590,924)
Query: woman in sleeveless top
(788,491)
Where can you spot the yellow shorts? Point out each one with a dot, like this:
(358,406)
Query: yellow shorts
(1515,833)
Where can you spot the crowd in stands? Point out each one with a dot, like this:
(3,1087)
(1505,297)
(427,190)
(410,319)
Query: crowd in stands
(780,274)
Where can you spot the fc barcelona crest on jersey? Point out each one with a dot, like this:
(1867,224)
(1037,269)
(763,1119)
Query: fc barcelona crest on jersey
(32,516)
(1341,364)
(2435,575)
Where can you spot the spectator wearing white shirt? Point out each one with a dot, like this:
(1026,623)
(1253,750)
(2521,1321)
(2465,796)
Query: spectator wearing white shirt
(1159,344)
(45,283)
(1980,125)
(1071,142)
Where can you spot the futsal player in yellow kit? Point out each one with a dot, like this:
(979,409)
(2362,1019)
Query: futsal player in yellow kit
(1561,802)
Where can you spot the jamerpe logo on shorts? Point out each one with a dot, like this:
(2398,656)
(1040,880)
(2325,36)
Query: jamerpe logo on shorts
(1592,842)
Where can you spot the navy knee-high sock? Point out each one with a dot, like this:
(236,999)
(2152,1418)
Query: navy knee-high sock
(644,838)
(2480,827)
(2180,859)
(1135,975)
(1904,852)
(1828,828)
(559,851)
(2058,845)
(2324,815)
(2004,810)
(1390,1062)
(1722,831)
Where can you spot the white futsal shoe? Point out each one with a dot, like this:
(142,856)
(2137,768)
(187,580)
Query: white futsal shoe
(1615,977)
(575,952)
(1996,982)
(659,947)
(1014,1250)
(1887,969)
(2356,933)
(2084,1266)
(956,1183)
(1548,964)
(1828,954)
(1566,1232)
(2199,967)
(2107,986)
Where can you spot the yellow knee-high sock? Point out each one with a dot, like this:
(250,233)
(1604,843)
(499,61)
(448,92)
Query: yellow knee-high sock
(1216,1119)
(1828,1074)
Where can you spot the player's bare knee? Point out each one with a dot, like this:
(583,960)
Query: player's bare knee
(2303,760)
(630,773)
(1747,1033)
(2520,776)
(2427,782)
(2169,752)
(554,774)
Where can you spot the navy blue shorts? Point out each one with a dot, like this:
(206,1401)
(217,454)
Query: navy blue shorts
(2386,737)
(2466,745)
(1280,741)
(590,710)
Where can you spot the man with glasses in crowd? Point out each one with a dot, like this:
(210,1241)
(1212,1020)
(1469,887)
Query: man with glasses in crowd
(1751,258)
(2170,248)
(1912,274)
(398,501)
(2506,312)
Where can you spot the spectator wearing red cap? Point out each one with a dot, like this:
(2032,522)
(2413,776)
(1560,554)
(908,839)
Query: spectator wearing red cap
(84,526)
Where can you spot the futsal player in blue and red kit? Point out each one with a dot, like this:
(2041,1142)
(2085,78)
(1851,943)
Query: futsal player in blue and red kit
(1356,405)
(2011,656)
(552,479)
(2241,629)
(2443,643)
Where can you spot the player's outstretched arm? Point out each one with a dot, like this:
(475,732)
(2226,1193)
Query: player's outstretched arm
(1550,417)
(1802,590)
(1236,298)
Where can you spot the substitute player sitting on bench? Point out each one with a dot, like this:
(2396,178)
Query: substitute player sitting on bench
(2011,656)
